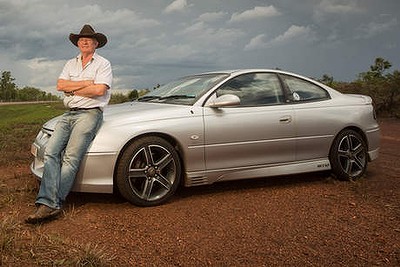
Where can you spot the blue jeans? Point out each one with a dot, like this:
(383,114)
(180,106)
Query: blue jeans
(66,148)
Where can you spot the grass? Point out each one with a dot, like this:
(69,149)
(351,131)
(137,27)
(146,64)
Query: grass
(7,234)
(93,255)
(41,249)
(22,245)
(28,113)
(19,125)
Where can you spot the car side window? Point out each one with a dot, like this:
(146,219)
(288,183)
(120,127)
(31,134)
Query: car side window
(254,89)
(301,90)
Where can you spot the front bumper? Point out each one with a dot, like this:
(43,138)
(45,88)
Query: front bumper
(95,174)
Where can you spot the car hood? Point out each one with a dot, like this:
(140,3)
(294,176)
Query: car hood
(135,112)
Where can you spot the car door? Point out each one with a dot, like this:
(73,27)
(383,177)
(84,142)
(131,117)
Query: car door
(258,132)
(315,121)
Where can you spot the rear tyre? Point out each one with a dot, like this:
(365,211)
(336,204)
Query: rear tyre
(148,172)
(348,155)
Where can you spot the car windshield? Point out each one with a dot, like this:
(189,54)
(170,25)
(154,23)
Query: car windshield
(184,91)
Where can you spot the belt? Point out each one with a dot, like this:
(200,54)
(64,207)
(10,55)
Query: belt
(77,109)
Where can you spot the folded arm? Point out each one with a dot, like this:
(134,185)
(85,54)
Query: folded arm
(81,88)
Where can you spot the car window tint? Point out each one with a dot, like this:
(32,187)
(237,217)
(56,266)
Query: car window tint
(254,89)
(301,90)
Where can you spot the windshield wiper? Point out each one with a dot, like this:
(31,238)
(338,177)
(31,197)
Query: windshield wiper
(177,96)
(148,98)
(155,97)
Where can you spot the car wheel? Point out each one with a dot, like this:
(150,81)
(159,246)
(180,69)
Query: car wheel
(348,155)
(148,172)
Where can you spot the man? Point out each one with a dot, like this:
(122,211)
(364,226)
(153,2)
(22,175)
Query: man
(85,81)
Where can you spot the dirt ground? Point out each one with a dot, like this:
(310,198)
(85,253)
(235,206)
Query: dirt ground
(299,220)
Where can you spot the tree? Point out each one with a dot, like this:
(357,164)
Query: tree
(133,95)
(376,71)
(8,89)
(326,79)
(10,92)
(29,94)
(380,66)
(393,81)
(382,86)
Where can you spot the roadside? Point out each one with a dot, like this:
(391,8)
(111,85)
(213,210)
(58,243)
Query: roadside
(26,102)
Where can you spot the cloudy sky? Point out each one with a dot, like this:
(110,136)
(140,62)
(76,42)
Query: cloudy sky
(154,41)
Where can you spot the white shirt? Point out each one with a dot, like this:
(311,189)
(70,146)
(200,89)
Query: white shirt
(97,69)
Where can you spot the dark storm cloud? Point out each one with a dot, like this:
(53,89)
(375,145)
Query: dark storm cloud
(156,40)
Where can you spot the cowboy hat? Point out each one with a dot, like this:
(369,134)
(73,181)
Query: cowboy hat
(88,31)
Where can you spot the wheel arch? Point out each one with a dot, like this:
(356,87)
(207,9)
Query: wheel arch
(349,160)
(170,139)
(354,128)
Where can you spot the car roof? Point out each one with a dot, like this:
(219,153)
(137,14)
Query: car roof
(241,71)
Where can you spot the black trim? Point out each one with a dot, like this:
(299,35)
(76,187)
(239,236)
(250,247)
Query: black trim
(77,109)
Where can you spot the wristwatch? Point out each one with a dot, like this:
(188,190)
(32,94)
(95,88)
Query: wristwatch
(70,93)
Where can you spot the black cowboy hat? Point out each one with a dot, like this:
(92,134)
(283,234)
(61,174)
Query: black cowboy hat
(88,31)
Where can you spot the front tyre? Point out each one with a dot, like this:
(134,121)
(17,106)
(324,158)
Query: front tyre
(348,155)
(148,172)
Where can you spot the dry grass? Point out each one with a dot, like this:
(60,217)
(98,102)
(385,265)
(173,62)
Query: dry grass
(26,247)
(8,234)
(93,255)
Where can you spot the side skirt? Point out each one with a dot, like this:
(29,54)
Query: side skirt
(209,177)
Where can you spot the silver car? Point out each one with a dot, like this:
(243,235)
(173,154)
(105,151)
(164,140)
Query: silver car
(223,126)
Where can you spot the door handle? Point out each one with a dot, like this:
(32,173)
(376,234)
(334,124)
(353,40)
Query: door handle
(286,119)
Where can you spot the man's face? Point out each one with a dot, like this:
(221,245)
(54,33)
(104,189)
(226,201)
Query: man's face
(87,45)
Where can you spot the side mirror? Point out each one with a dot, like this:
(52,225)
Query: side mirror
(227,100)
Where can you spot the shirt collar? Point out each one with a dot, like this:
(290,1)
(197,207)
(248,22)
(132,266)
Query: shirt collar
(79,56)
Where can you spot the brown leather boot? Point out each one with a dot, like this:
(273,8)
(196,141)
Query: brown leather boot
(43,213)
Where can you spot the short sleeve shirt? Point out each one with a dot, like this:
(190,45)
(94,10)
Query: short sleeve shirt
(98,69)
